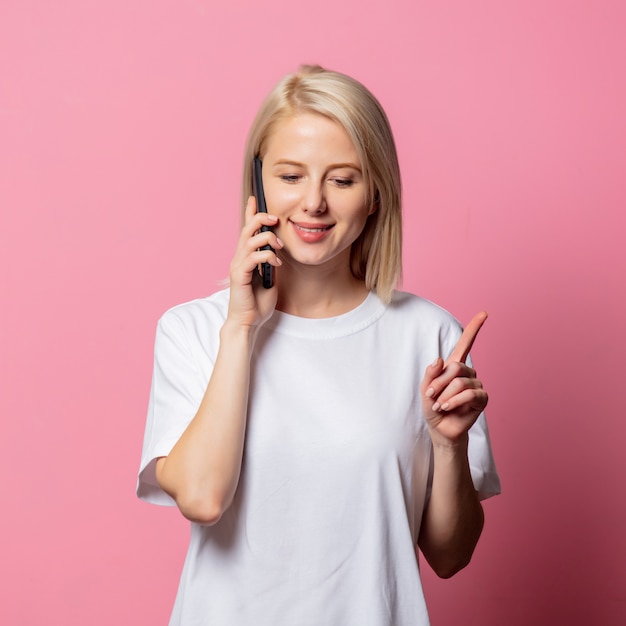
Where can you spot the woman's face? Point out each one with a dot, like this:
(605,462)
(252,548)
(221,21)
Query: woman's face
(314,185)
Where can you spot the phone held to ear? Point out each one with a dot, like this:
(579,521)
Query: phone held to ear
(267,270)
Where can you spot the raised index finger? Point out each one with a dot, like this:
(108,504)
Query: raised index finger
(466,341)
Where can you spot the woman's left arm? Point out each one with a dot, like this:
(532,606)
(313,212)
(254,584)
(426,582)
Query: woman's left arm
(452,400)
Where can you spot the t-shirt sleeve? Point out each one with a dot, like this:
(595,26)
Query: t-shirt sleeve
(482,464)
(481,460)
(178,385)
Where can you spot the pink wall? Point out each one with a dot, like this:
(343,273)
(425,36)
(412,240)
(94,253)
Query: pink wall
(121,129)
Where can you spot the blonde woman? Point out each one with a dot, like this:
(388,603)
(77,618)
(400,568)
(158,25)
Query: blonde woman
(317,433)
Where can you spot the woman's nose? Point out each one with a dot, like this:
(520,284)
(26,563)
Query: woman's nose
(314,202)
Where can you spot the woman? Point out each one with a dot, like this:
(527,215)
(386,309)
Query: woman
(316,432)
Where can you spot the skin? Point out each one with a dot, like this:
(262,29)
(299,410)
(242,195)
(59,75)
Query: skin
(452,400)
(316,200)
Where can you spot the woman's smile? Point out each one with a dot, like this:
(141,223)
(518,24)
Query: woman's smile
(311,232)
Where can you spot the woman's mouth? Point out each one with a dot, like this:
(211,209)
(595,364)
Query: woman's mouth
(311,232)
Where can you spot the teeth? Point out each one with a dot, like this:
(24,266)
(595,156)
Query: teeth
(312,230)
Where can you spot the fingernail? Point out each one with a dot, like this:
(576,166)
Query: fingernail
(280,243)
(272,217)
(436,406)
(435,362)
(445,406)
(430,392)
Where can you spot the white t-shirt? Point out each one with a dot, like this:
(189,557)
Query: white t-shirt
(337,462)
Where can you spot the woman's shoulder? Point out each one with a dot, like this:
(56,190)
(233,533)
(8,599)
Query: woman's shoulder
(422,320)
(413,307)
(198,313)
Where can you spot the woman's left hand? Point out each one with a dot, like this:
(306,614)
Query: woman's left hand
(452,396)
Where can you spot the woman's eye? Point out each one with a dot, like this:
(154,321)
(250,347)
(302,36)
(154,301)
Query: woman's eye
(290,178)
(343,182)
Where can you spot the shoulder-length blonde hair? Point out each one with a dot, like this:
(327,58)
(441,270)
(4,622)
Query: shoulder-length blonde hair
(376,256)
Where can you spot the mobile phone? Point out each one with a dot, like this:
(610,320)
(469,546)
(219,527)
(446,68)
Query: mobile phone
(267,270)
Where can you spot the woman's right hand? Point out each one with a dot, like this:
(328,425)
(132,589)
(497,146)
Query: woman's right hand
(250,303)
(202,470)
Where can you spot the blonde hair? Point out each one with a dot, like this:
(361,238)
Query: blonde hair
(376,256)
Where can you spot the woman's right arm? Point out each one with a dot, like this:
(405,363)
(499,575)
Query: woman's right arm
(202,471)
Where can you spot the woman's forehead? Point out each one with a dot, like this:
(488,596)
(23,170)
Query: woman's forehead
(308,134)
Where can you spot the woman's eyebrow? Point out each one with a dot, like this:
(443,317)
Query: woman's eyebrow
(332,166)
(338,166)
(288,162)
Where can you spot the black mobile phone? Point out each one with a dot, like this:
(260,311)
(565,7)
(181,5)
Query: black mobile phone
(267,270)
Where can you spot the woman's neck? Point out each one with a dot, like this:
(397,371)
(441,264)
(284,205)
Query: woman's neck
(315,293)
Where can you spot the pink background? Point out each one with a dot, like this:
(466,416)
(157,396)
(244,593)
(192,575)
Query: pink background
(122,126)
